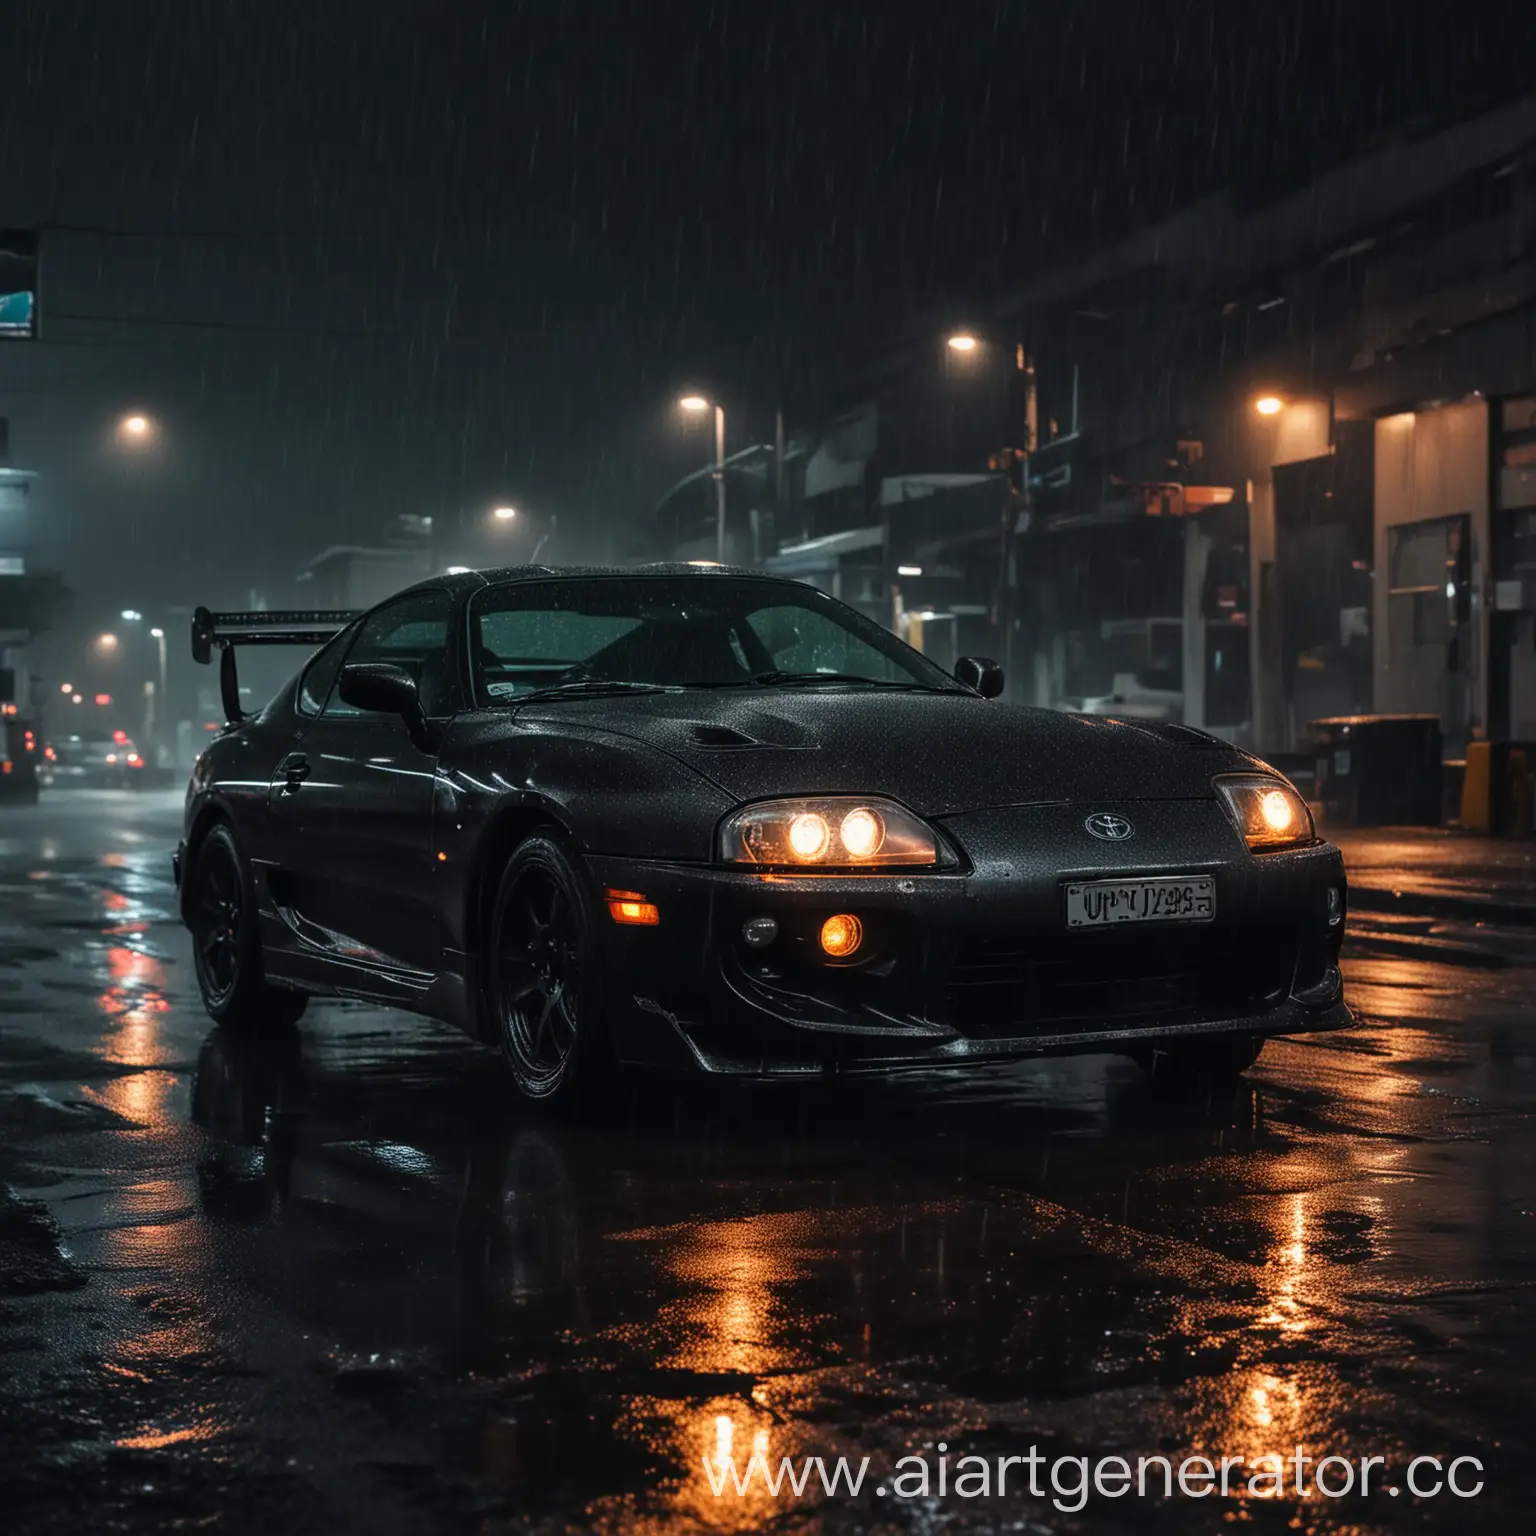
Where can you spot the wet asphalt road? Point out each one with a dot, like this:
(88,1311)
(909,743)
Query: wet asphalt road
(335,1280)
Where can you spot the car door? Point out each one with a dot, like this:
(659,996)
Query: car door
(354,798)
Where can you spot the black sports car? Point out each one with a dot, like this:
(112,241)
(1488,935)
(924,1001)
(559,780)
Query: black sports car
(719,821)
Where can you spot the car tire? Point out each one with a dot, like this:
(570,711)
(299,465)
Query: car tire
(1192,1062)
(226,940)
(545,982)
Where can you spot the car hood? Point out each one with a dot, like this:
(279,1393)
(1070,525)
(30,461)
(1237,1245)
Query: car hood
(938,753)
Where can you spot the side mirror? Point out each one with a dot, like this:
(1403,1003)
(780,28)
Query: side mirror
(382,688)
(978,673)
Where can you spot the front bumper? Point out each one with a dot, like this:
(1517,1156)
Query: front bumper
(971,966)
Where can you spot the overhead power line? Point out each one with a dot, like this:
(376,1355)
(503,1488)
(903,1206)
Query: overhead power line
(250,327)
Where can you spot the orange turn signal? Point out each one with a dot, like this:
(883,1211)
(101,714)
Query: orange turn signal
(841,935)
(631,907)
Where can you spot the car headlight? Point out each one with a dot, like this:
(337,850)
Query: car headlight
(828,832)
(1268,812)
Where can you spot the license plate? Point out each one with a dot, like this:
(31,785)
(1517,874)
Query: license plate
(1164,899)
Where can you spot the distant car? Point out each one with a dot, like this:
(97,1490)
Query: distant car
(19,759)
(101,759)
(720,822)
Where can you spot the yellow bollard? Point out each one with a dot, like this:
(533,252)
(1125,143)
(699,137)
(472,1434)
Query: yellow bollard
(1476,803)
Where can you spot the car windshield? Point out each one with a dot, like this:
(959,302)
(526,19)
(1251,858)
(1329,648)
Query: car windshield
(596,633)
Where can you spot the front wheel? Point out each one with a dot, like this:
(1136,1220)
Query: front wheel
(226,946)
(546,987)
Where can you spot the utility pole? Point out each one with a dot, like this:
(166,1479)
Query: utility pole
(720,484)
(780,481)
(1017,507)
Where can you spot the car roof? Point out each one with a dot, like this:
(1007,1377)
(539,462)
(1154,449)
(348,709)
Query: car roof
(502,575)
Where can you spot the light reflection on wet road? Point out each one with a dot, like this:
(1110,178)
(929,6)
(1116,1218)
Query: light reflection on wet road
(332,1278)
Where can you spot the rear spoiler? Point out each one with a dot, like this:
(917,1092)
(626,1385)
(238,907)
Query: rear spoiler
(224,631)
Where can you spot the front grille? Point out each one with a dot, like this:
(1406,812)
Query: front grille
(1004,985)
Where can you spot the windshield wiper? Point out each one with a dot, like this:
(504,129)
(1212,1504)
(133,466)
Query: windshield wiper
(810,679)
(591,688)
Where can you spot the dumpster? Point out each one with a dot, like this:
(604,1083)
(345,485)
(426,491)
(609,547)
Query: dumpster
(1379,770)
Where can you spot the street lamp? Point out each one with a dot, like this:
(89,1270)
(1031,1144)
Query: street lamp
(135,430)
(154,719)
(504,514)
(963,341)
(106,642)
(696,405)
(1269,405)
(162,736)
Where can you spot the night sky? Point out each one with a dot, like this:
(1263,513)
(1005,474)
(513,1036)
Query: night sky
(360,259)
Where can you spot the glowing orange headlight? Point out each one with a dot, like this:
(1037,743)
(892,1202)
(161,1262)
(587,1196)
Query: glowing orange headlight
(827,832)
(1268,812)
(809,835)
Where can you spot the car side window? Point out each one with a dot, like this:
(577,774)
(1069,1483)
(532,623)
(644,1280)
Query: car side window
(411,633)
(319,674)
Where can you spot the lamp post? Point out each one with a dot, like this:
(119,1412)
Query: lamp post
(155,716)
(162,745)
(695,404)
(506,516)
(966,344)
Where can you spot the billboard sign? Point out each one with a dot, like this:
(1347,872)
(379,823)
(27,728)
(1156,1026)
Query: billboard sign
(18,285)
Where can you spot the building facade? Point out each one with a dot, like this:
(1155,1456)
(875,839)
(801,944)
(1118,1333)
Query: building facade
(1281,461)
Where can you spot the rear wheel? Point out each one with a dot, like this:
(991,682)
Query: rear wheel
(547,994)
(226,945)
(1215,1061)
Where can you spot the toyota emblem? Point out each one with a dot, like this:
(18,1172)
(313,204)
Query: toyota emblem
(1109,828)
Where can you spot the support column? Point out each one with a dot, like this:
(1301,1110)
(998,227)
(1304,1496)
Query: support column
(1197,549)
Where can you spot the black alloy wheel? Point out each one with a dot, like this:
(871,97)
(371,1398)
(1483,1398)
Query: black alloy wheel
(546,995)
(218,919)
(226,946)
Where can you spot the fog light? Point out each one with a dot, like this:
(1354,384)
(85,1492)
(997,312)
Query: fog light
(759,932)
(841,935)
(1335,906)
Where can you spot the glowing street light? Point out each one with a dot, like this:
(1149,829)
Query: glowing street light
(1269,405)
(504,514)
(66,687)
(136,430)
(962,341)
(132,616)
(694,403)
(106,642)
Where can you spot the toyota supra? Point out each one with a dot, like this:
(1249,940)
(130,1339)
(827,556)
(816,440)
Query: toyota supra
(712,821)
